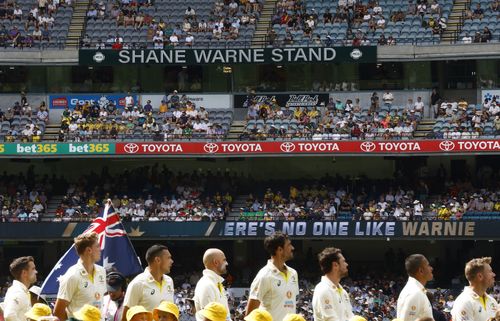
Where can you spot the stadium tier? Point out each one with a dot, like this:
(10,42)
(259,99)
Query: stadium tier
(26,25)
(233,24)
(171,23)
(153,193)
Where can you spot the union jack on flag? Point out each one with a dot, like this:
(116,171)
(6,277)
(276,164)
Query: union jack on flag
(116,250)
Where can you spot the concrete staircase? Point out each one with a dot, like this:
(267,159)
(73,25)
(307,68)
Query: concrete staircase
(455,21)
(262,28)
(236,129)
(51,132)
(52,205)
(77,24)
(239,202)
(424,127)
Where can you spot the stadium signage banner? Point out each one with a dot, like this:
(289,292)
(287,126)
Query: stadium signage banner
(290,100)
(372,230)
(252,148)
(490,94)
(229,56)
(33,149)
(63,100)
(351,229)
(308,147)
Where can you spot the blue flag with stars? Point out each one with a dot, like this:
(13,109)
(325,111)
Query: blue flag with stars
(117,251)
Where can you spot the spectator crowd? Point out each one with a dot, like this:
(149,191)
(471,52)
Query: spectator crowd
(176,118)
(333,120)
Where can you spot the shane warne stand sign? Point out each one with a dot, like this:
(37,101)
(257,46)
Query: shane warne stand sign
(207,56)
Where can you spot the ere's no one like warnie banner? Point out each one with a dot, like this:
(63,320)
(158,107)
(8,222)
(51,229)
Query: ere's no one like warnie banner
(376,230)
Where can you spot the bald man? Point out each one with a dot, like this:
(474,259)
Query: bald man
(209,288)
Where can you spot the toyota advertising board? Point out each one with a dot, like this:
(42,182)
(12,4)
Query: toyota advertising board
(308,147)
(255,148)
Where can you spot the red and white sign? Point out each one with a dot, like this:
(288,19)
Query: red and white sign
(308,147)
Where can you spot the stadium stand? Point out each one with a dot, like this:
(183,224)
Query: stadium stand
(155,193)
(34,25)
(481,22)
(460,120)
(322,202)
(146,193)
(316,23)
(335,120)
(23,198)
(172,23)
(21,123)
(177,120)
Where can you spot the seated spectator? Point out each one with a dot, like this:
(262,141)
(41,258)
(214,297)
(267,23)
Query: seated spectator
(43,115)
(189,39)
(478,37)
(478,12)
(435,8)
(381,40)
(388,98)
(486,35)
(18,13)
(174,40)
(466,39)
(190,14)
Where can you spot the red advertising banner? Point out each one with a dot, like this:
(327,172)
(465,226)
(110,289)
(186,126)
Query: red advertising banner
(308,147)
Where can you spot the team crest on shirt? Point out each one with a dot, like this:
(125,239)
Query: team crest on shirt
(152,291)
(293,279)
(279,282)
(463,313)
(169,288)
(86,284)
(289,294)
(97,296)
(101,278)
(413,307)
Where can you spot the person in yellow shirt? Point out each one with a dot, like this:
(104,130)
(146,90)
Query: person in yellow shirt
(92,201)
(294,192)
(228,198)
(269,195)
(444,213)
(462,104)
(313,113)
(297,112)
(163,107)
(125,200)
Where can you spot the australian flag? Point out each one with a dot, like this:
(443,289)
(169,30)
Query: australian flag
(116,250)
